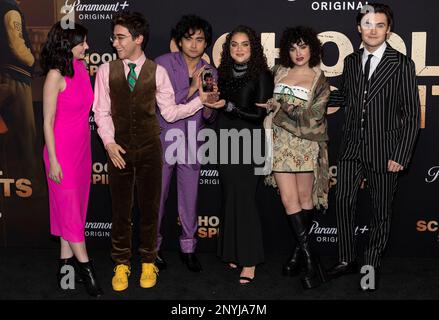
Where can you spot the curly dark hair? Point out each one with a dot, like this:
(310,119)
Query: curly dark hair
(136,24)
(258,61)
(57,51)
(297,35)
(188,25)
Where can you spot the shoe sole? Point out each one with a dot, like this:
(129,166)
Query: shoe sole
(147,286)
(120,289)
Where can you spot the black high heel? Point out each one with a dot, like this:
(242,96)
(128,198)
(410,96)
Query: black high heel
(294,265)
(86,270)
(229,266)
(249,280)
(314,274)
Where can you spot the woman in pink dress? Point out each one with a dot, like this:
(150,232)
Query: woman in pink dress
(67,100)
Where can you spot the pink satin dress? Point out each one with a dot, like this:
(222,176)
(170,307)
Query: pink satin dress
(68,201)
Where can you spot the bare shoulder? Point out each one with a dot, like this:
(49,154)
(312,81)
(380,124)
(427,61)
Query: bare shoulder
(53,75)
(55,79)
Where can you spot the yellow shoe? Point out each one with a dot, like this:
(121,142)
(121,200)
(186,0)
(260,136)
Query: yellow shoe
(120,279)
(148,278)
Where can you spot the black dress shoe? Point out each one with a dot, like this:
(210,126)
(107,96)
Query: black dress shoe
(191,261)
(160,262)
(341,269)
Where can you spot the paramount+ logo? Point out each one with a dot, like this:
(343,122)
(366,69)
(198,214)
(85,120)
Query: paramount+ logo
(428,226)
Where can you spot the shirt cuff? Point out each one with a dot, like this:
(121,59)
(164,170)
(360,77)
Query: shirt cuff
(107,139)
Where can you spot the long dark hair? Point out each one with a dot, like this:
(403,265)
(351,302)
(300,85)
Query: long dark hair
(255,66)
(257,63)
(57,51)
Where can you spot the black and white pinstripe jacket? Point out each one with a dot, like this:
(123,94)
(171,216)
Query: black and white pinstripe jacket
(382,115)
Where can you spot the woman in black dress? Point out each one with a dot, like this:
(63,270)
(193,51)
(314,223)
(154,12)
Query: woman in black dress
(244,79)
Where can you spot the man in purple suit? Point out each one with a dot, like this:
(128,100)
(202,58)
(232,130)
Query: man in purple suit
(185,69)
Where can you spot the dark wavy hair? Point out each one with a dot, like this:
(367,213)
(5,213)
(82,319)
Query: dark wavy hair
(257,63)
(296,35)
(377,8)
(136,24)
(57,51)
(188,25)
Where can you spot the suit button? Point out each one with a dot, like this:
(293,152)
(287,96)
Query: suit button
(365,92)
(364,110)
(362,120)
(364,101)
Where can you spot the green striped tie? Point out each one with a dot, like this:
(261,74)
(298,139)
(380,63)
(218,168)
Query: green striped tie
(132,77)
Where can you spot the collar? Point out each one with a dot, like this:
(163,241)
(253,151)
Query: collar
(377,53)
(140,61)
(182,61)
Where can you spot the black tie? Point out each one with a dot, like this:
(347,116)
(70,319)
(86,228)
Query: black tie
(367,67)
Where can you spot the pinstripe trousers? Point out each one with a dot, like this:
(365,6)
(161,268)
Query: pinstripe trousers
(381,188)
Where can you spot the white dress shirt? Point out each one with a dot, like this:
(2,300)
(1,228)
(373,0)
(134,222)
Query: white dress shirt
(377,55)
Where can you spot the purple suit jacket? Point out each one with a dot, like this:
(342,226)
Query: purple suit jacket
(176,67)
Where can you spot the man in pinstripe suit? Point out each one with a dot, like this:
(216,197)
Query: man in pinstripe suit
(381,100)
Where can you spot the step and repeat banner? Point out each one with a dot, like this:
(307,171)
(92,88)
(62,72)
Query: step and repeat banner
(24,215)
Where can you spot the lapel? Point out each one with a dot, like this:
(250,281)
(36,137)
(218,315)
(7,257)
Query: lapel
(385,69)
(181,72)
(357,71)
(181,69)
(139,76)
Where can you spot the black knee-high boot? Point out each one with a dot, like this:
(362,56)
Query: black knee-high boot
(314,275)
(88,274)
(295,263)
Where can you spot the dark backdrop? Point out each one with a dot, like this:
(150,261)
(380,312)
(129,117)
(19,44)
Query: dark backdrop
(24,216)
